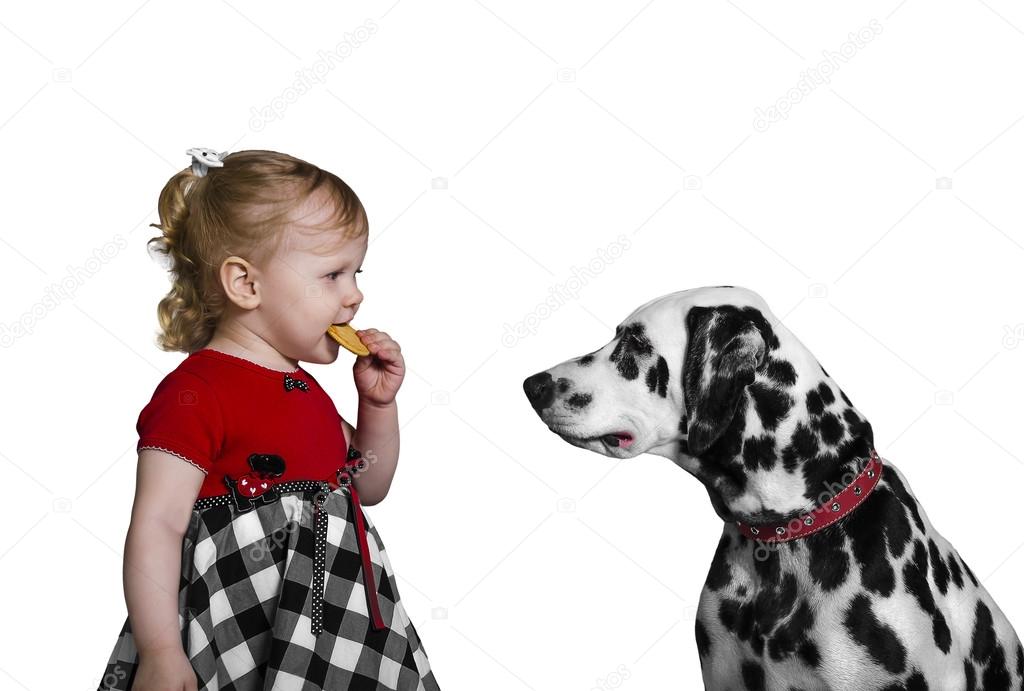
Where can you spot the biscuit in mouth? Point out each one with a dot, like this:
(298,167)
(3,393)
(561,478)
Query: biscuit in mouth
(348,338)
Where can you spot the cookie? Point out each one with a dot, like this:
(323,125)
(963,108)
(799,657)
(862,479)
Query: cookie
(348,338)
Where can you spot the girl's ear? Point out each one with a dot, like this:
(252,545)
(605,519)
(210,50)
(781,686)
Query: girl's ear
(724,349)
(237,277)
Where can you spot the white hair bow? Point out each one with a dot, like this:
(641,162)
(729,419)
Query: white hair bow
(203,159)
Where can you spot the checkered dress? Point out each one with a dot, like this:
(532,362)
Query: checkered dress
(272,597)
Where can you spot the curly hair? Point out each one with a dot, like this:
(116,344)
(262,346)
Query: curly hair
(239,209)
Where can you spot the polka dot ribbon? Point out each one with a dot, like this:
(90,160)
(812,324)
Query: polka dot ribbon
(353,464)
(824,514)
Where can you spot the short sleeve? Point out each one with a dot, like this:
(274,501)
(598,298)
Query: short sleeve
(183,418)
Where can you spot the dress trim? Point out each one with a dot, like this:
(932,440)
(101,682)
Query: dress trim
(175,453)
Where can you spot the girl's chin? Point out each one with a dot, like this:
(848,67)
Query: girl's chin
(329,349)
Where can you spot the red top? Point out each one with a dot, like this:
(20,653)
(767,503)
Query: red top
(217,410)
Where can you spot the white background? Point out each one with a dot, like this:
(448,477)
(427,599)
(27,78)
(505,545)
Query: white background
(500,148)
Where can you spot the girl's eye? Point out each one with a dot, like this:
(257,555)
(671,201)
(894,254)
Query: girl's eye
(334,274)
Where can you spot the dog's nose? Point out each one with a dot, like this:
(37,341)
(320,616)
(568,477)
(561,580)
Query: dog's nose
(540,390)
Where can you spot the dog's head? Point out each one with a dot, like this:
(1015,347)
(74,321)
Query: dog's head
(676,371)
(711,379)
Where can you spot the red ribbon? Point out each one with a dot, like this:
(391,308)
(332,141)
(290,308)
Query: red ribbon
(369,583)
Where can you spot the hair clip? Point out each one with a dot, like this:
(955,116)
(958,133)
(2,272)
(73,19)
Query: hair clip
(203,159)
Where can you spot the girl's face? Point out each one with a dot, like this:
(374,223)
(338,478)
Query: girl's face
(309,284)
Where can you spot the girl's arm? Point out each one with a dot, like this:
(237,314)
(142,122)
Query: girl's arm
(166,487)
(376,438)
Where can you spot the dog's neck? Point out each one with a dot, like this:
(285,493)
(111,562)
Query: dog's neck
(785,447)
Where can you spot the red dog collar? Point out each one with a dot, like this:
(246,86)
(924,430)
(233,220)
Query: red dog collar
(823,515)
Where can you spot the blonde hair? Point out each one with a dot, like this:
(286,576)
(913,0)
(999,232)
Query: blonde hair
(239,209)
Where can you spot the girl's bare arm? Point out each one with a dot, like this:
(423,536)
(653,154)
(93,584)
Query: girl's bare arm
(166,487)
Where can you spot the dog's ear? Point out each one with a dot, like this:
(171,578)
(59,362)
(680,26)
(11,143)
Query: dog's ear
(725,346)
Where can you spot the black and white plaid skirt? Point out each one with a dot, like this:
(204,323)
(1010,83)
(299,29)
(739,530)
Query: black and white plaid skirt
(273,598)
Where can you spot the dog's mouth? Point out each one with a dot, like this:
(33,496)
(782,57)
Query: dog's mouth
(622,439)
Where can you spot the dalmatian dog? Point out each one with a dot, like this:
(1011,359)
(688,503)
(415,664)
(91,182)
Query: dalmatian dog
(878,599)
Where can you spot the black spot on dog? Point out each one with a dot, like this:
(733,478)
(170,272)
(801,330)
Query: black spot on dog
(759,452)
(703,642)
(915,575)
(915,580)
(893,480)
(897,528)
(986,650)
(802,448)
(657,377)
(782,371)
(809,654)
(753,676)
(815,406)
(866,527)
(829,562)
(633,346)
(880,641)
(955,572)
(771,404)
(720,573)
(579,400)
(860,429)
(585,360)
(939,568)
(967,570)
(729,614)
(969,675)
(831,428)
(563,384)
(940,632)
(825,391)
(1020,660)
(916,682)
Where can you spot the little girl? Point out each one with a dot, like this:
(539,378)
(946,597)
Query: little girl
(249,563)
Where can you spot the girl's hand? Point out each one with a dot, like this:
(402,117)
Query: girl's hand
(165,670)
(379,374)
